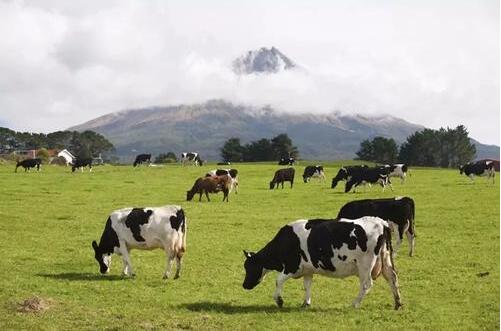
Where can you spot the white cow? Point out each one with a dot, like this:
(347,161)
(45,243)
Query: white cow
(143,228)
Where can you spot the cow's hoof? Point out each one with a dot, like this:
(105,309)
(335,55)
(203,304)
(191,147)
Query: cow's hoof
(398,305)
(305,305)
(176,276)
(165,277)
(280,302)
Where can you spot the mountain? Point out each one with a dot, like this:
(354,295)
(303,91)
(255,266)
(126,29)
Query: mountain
(486,151)
(263,60)
(205,127)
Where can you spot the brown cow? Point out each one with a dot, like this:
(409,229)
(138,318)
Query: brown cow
(281,176)
(213,184)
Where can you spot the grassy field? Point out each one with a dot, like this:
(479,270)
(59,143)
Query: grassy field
(48,220)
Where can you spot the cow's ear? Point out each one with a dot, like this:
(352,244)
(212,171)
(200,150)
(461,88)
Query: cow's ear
(94,245)
(248,254)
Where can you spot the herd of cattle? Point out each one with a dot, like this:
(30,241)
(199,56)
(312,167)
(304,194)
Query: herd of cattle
(358,241)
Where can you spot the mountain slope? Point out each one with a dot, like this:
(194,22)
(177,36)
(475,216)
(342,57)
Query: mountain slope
(205,127)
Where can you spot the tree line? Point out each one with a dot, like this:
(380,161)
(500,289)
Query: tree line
(259,150)
(444,148)
(81,144)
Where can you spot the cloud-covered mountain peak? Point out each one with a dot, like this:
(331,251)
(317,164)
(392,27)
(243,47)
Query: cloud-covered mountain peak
(263,60)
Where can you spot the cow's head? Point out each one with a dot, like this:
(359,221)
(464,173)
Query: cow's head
(254,271)
(461,169)
(189,195)
(342,174)
(104,259)
(272,185)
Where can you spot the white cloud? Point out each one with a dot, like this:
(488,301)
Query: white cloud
(432,63)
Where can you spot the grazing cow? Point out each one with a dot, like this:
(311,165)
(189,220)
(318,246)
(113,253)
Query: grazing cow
(141,158)
(346,172)
(281,176)
(233,173)
(397,170)
(28,164)
(359,247)
(81,163)
(143,228)
(480,168)
(210,184)
(194,158)
(398,212)
(368,176)
(313,172)
(287,161)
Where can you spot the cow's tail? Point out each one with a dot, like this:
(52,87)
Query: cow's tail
(413,218)
(184,228)
(389,246)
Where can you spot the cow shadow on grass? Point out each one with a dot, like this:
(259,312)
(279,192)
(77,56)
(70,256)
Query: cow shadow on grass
(79,276)
(228,308)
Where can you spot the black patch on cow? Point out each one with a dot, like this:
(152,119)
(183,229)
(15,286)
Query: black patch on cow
(177,221)
(342,258)
(282,253)
(136,218)
(109,239)
(327,235)
(379,244)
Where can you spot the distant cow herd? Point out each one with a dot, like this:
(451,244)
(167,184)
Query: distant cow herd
(357,242)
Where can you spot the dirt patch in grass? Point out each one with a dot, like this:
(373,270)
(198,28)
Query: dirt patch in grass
(33,305)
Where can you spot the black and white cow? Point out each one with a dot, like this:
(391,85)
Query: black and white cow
(397,170)
(233,173)
(365,176)
(398,212)
(194,158)
(28,164)
(346,172)
(316,171)
(143,228)
(303,248)
(141,158)
(480,168)
(287,161)
(81,163)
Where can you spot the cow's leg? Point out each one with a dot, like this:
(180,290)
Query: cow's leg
(412,241)
(307,280)
(292,182)
(90,168)
(170,258)
(207,195)
(391,277)
(277,296)
(128,270)
(283,185)
(471,177)
(179,261)
(401,228)
(365,267)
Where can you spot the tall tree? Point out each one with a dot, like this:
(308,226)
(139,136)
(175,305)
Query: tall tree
(379,149)
(232,150)
(438,148)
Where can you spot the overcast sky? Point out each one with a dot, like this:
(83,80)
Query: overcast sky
(434,63)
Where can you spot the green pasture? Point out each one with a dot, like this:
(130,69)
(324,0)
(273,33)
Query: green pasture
(49,219)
